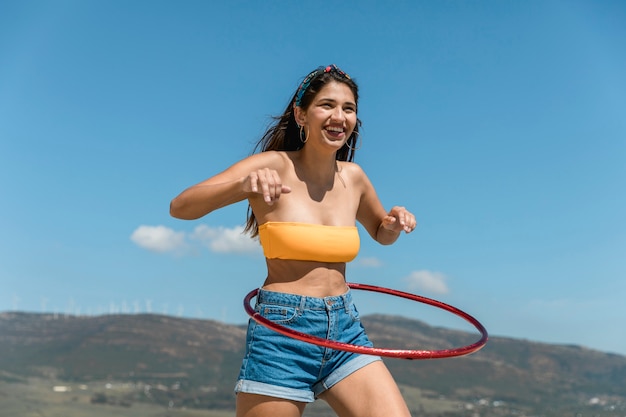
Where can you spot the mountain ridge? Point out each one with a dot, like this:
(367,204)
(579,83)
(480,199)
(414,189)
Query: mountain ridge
(202,358)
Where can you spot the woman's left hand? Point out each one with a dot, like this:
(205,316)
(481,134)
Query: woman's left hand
(399,219)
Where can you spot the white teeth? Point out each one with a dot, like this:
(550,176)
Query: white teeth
(335,129)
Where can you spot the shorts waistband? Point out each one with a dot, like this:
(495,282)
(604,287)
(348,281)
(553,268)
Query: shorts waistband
(336,302)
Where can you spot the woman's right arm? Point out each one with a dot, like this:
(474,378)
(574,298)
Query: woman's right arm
(255,175)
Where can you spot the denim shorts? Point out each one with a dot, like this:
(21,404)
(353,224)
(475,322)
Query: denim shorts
(280,366)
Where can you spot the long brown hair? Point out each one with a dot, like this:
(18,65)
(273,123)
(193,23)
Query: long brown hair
(284,133)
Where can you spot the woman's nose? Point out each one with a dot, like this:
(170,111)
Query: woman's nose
(338,114)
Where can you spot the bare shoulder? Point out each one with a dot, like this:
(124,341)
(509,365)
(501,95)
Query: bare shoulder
(353,171)
(269,159)
(276,160)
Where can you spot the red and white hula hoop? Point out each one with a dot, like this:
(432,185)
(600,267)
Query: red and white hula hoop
(391,353)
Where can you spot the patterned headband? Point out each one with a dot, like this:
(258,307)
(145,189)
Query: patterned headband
(307,80)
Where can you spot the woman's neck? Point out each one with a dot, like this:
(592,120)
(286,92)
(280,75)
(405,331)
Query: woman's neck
(315,167)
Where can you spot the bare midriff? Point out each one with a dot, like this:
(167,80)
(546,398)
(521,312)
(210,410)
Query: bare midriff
(309,278)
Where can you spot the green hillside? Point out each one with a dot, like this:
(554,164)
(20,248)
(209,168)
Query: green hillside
(185,364)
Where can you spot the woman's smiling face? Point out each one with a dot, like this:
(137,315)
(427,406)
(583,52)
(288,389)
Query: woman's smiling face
(331,116)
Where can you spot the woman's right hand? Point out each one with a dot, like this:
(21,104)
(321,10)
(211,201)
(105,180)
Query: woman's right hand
(266,182)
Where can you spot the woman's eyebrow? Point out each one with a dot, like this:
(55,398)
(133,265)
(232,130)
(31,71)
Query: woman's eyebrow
(328,99)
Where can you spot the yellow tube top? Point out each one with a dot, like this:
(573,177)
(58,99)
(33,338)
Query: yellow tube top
(309,242)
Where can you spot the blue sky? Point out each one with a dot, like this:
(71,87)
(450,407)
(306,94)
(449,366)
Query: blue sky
(500,124)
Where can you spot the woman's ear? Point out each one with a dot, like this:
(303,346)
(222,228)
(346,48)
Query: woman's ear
(299,115)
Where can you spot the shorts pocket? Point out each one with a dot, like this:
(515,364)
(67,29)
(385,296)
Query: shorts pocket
(279,314)
(354,313)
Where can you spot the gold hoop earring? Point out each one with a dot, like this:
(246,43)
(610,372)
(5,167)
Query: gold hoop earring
(358,136)
(303,135)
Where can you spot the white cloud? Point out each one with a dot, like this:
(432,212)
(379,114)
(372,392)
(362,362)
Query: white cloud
(158,238)
(225,240)
(427,281)
(220,240)
(369,262)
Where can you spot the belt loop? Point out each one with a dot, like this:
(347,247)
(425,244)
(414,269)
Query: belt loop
(303,303)
(258,297)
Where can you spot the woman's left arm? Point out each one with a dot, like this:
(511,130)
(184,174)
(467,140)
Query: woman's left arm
(383,226)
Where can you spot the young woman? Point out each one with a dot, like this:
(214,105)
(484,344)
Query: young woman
(305,195)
